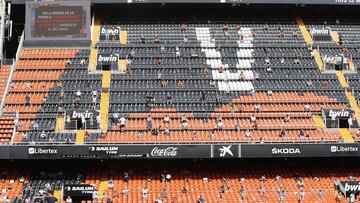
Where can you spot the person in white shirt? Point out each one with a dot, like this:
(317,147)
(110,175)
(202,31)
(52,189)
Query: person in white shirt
(145,193)
(125,191)
(166,119)
(69,200)
(352,198)
(78,95)
(122,121)
(350,122)
(83,122)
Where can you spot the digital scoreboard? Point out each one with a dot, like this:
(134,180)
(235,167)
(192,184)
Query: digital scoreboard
(57,20)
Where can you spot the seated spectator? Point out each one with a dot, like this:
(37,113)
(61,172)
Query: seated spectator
(205,70)
(237,126)
(180,83)
(140,135)
(166,131)
(237,27)
(183,27)
(282,34)
(115,118)
(164,83)
(253,119)
(287,118)
(257,108)
(185,125)
(183,118)
(242,75)
(282,61)
(162,48)
(157,40)
(166,119)
(122,121)
(307,108)
(27,100)
(253,34)
(267,61)
(221,69)
(219,125)
(158,61)
(193,54)
(294,34)
(225,27)
(269,69)
(78,95)
(185,39)
(111,184)
(248,133)
(301,133)
(269,93)
(168,98)
(177,52)
(296,61)
(282,134)
(143,40)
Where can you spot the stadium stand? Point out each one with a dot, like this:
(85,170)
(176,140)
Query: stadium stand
(229,78)
(238,182)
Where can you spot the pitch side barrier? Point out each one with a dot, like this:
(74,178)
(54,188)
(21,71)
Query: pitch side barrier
(323,2)
(173,151)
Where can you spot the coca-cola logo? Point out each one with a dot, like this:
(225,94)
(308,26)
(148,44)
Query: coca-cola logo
(164,152)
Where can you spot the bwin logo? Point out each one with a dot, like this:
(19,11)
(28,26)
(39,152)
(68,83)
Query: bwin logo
(338,113)
(110,58)
(226,150)
(104,30)
(320,32)
(285,151)
(86,115)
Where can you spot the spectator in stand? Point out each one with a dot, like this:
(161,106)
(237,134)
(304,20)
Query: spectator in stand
(248,133)
(27,100)
(78,95)
(185,39)
(201,199)
(220,124)
(180,83)
(122,121)
(177,52)
(166,120)
(164,83)
(225,27)
(68,199)
(257,108)
(238,27)
(302,133)
(269,93)
(282,34)
(221,69)
(115,118)
(157,40)
(282,194)
(183,27)
(282,133)
(145,193)
(168,98)
(287,118)
(253,118)
(205,70)
(203,96)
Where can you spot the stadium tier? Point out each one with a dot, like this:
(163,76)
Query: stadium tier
(184,181)
(179,103)
(228,78)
